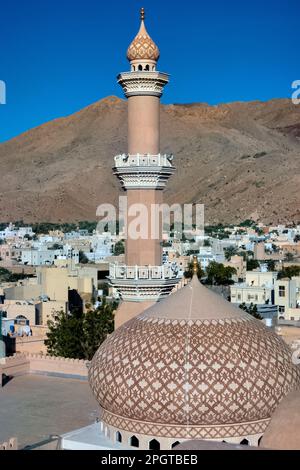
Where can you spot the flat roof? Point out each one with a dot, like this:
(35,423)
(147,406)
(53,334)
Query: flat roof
(34,407)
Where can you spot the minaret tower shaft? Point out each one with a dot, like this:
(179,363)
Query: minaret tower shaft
(143,173)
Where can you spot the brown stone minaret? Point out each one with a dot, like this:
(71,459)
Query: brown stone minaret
(143,172)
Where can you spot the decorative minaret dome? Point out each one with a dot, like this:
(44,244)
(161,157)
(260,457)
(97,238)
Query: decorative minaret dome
(143,53)
(192,366)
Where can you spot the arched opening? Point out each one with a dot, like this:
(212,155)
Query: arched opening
(175,444)
(244,442)
(259,441)
(118,437)
(134,442)
(153,67)
(154,445)
(147,68)
(133,68)
(140,68)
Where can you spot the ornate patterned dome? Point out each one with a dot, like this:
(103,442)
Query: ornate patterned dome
(192,366)
(143,47)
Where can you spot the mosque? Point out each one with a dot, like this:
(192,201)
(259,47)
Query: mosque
(184,365)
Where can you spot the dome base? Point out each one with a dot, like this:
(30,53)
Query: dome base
(168,435)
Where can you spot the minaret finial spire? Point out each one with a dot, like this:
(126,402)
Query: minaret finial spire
(142,14)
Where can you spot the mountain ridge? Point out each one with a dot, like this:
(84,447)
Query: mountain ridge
(240,159)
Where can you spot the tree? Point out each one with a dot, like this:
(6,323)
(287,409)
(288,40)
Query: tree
(119,248)
(271,264)
(27,237)
(77,335)
(259,231)
(83,258)
(190,271)
(218,274)
(252,264)
(229,252)
(98,324)
(65,335)
(56,246)
(251,309)
(289,272)
(247,223)
(8,276)
(289,256)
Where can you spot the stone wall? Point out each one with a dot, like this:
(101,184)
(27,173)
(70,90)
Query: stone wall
(21,364)
(14,366)
(59,366)
(11,444)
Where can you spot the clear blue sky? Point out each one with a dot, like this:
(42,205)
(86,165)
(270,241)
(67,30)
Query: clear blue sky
(58,56)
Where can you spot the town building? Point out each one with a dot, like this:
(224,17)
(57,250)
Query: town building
(287,297)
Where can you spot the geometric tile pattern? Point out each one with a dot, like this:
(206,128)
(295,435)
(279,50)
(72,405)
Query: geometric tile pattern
(142,47)
(181,373)
(184,432)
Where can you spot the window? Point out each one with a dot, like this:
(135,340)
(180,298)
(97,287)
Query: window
(154,445)
(134,442)
(140,68)
(281,309)
(244,442)
(175,444)
(239,297)
(118,437)
(281,291)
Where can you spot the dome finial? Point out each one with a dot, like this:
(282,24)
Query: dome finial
(195,265)
(143,47)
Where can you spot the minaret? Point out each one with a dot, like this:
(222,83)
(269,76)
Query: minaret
(143,173)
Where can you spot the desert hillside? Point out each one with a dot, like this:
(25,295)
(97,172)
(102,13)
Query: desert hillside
(241,160)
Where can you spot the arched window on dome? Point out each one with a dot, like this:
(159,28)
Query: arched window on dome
(134,442)
(118,437)
(154,445)
(153,67)
(147,68)
(244,442)
(259,440)
(175,444)
(140,68)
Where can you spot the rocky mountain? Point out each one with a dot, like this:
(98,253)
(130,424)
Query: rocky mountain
(240,159)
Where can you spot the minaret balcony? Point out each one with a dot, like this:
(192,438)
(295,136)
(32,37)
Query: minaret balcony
(143,83)
(140,283)
(122,271)
(143,171)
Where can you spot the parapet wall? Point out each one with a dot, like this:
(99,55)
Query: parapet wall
(11,444)
(59,366)
(22,363)
(14,365)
